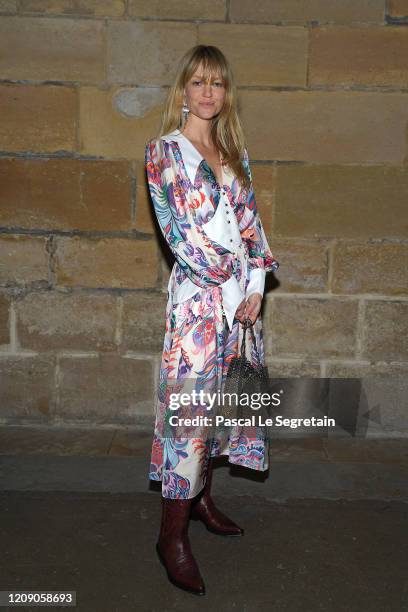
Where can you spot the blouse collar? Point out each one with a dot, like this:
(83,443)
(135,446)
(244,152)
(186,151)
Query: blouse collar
(191,156)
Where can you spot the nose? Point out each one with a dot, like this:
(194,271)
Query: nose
(207,90)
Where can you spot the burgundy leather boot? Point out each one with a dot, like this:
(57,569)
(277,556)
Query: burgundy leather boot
(204,509)
(173,546)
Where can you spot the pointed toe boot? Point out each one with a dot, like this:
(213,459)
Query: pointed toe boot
(173,546)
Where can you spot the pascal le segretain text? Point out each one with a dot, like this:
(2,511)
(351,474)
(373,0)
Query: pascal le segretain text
(255,420)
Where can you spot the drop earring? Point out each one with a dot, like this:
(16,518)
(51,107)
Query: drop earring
(186,110)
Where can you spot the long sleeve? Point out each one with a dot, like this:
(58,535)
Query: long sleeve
(261,259)
(205,262)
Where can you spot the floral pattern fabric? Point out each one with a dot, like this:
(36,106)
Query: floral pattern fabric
(199,343)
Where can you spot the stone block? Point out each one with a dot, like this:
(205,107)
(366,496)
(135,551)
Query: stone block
(143,321)
(105,389)
(54,320)
(364,369)
(84,8)
(313,327)
(108,132)
(263,56)
(325,127)
(397,9)
(65,194)
(106,263)
(38,118)
(303,266)
(298,11)
(373,56)
(281,368)
(376,404)
(214,10)
(8,6)
(27,387)
(52,49)
(341,201)
(147,52)
(385,331)
(23,261)
(370,268)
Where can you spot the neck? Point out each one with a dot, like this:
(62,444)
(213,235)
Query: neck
(198,130)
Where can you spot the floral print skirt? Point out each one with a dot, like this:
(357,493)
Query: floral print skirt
(198,348)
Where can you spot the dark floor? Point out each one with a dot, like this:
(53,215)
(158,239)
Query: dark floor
(306,554)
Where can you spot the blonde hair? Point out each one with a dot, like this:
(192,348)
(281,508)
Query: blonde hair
(226,129)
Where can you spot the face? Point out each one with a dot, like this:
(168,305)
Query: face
(204,99)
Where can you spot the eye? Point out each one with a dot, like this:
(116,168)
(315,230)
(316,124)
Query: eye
(218,84)
(196,82)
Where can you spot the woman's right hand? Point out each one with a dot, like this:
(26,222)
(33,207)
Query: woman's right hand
(240,312)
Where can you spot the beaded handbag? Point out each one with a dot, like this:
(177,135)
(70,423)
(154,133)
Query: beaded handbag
(244,377)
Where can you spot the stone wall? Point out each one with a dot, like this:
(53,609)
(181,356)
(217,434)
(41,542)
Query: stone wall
(323,92)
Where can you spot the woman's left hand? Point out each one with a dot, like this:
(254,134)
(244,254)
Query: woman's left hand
(253,306)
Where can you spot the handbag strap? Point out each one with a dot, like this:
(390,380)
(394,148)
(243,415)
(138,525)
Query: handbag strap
(248,324)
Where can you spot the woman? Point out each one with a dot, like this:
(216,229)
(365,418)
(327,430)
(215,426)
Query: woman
(201,188)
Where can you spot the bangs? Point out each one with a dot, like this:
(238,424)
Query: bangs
(212,63)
